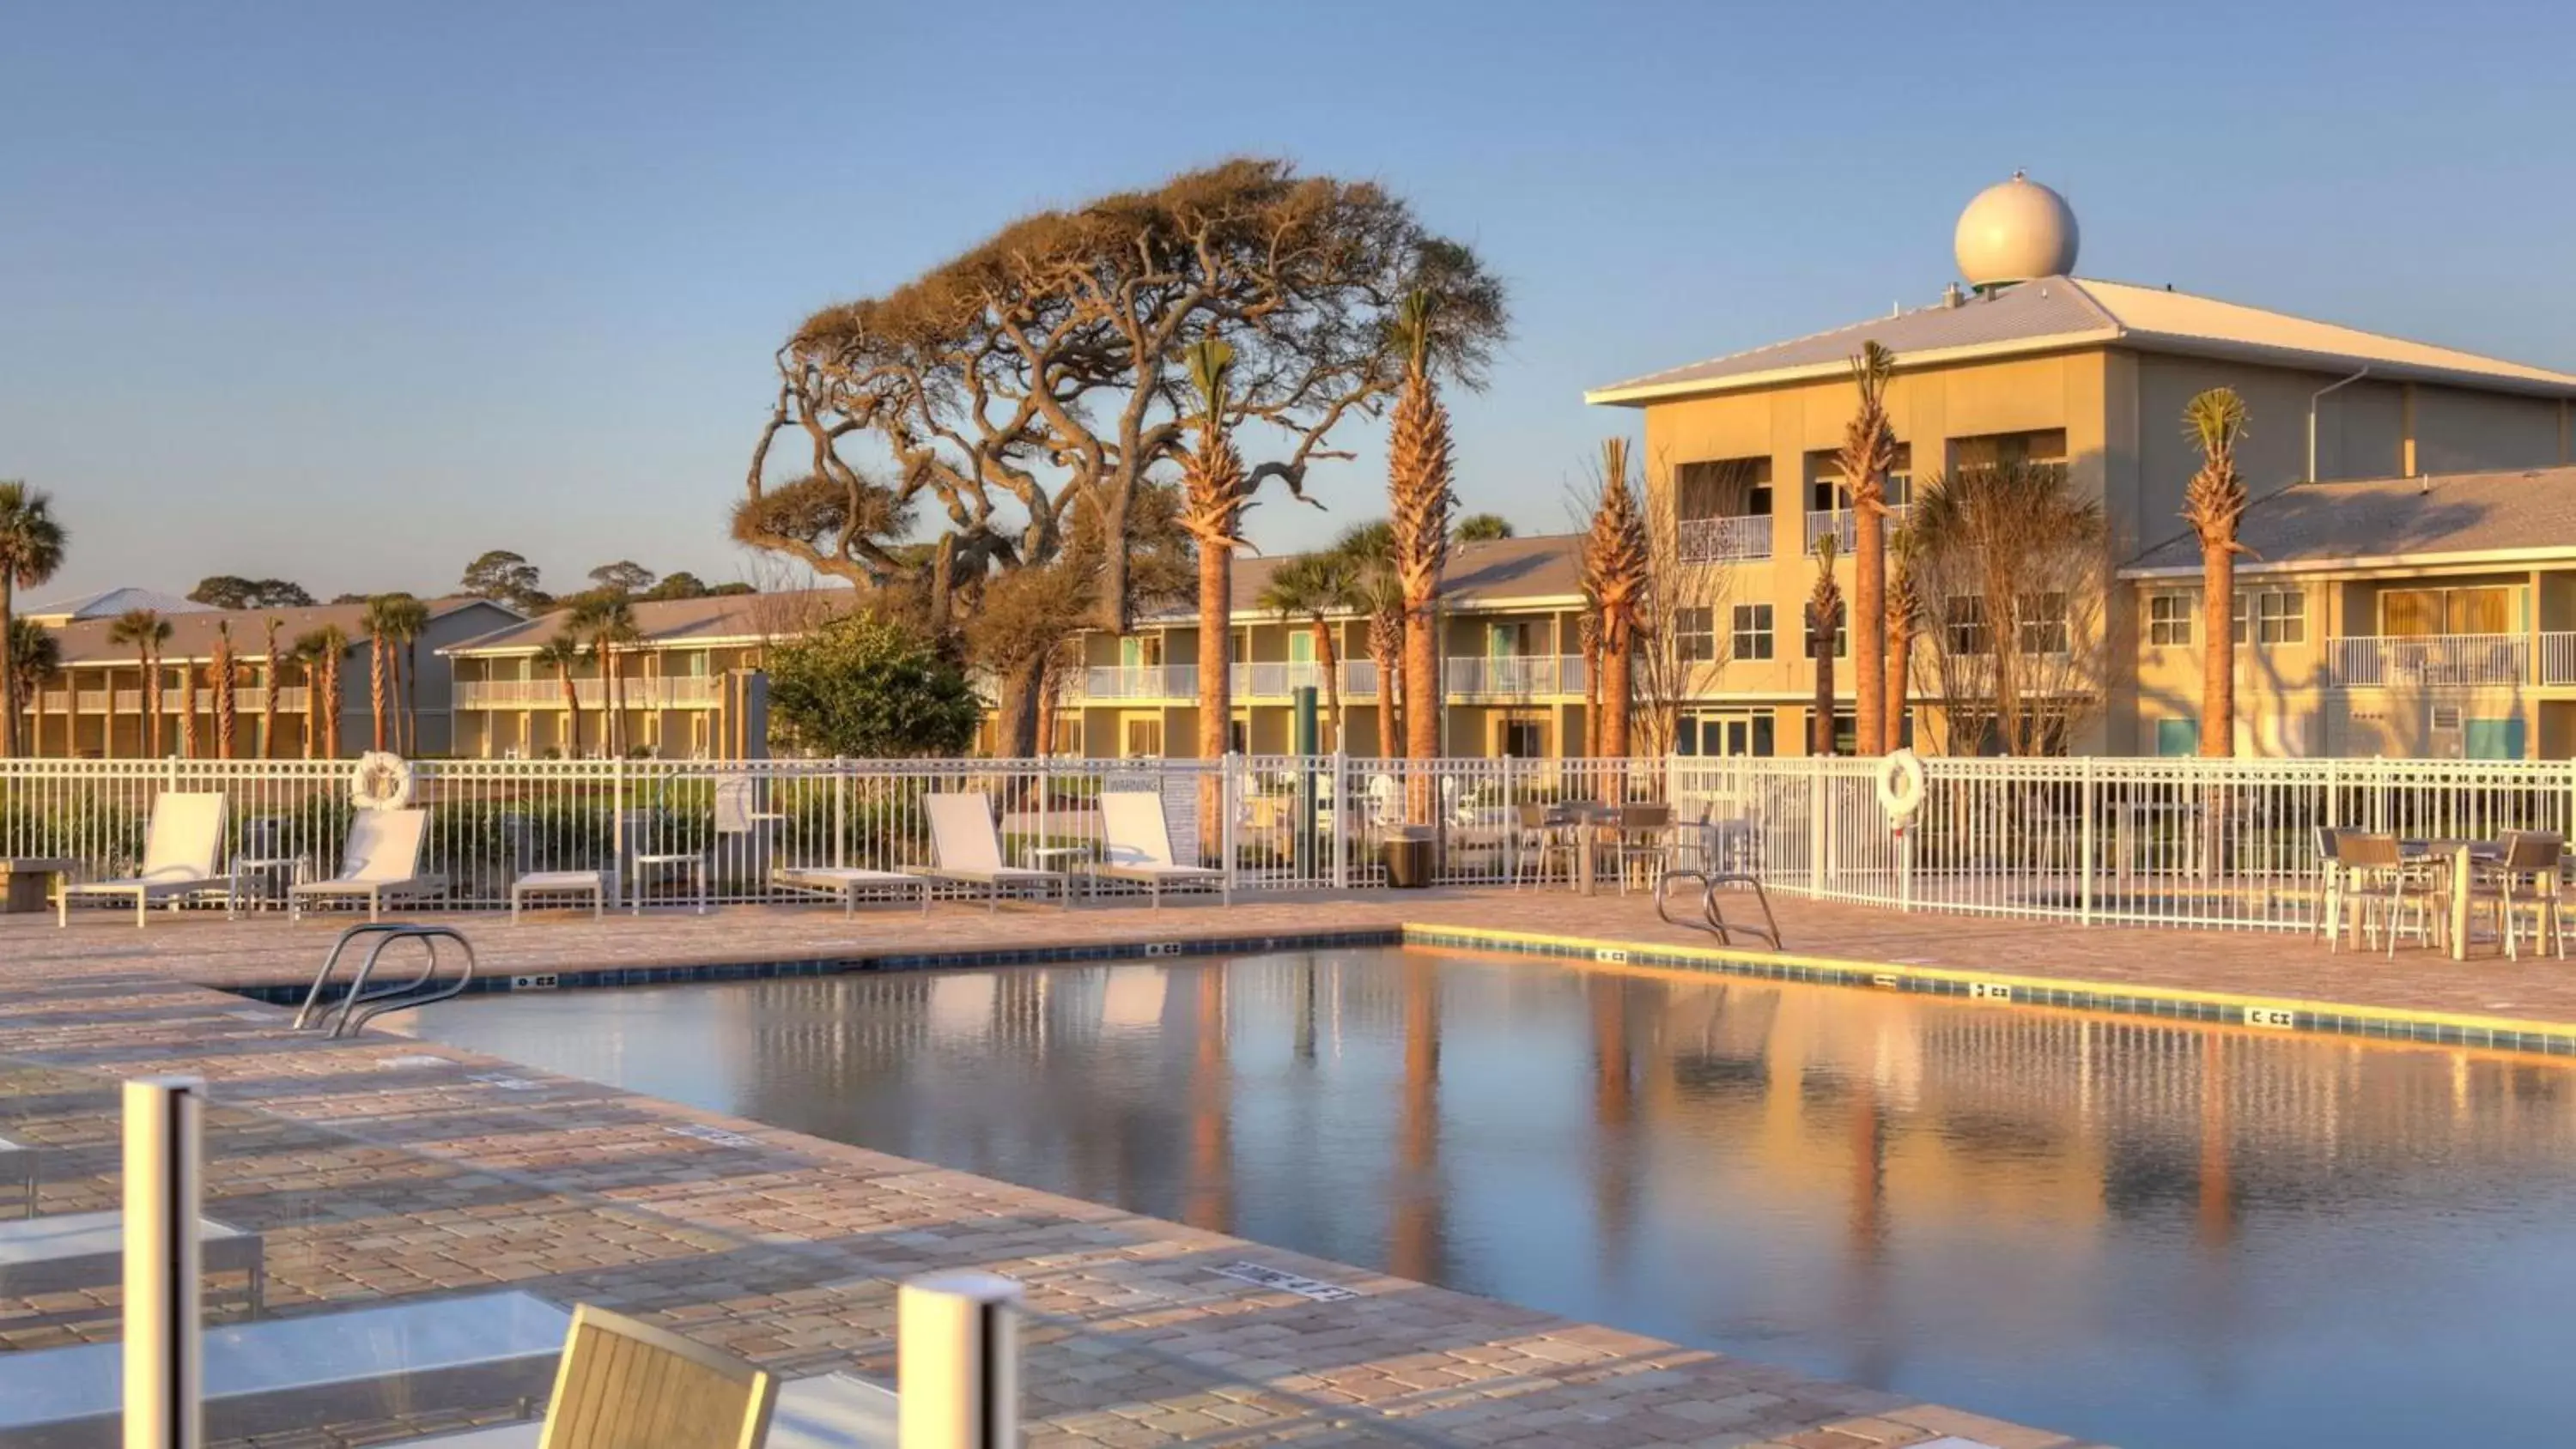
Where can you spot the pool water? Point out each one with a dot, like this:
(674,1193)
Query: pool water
(2142,1233)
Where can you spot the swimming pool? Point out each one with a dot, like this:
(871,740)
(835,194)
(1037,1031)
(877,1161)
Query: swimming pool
(2150,1234)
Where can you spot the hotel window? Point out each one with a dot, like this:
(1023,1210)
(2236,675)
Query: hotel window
(2414,613)
(1524,739)
(1723,488)
(1695,634)
(2043,623)
(1144,739)
(2169,619)
(1965,620)
(1752,631)
(2044,447)
(1825,490)
(2271,616)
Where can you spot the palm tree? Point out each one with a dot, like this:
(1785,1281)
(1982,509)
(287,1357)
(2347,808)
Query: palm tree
(379,623)
(321,651)
(220,666)
(562,652)
(1370,548)
(1824,613)
(146,630)
(1481,528)
(410,620)
(1904,619)
(1615,580)
(1313,587)
(33,654)
(1868,452)
(1587,635)
(1421,499)
(269,625)
(2212,504)
(607,623)
(31,548)
(1212,482)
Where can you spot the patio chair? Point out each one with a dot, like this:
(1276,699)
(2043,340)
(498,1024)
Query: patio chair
(966,850)
(1644,835)
(1138,847)
(380,863)
(181,849)
(622,1382)
(850,882)
(2378,875)
(2523,877)
(1540,833)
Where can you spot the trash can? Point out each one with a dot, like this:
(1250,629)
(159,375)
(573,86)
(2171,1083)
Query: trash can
(1408,856)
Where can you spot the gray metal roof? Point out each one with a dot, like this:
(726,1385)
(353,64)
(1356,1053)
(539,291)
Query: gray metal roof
(2059,312)
(1495,573)
(2518,511)
(108,603)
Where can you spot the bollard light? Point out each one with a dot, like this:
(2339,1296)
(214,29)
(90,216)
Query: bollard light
(164,1186)
(957,1362)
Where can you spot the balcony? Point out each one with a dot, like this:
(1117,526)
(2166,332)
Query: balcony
(2381,662)
(1725,540)
(1141,681)
(1844,525)
(681,691)
(1515,676)
(1275,680)
(1359,679)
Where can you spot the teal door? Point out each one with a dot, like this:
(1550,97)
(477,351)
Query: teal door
(2177,737)
(2495,739)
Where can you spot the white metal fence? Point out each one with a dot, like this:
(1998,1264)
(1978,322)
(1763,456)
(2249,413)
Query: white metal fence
(2228,843)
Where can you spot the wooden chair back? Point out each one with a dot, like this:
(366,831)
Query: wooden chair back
(2367,852)
(2533,852)
(629,1385)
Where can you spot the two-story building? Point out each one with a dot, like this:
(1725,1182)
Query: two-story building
(2034,365)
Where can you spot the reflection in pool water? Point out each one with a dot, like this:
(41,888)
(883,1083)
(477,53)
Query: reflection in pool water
(2151,1234)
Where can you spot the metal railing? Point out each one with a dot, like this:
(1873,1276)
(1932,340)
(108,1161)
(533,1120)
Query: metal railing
(665,692)
(1141,681)
(1724,540)
(2142,841)
(2432,659)
(1274,680)
(1844,525)
(1518,676)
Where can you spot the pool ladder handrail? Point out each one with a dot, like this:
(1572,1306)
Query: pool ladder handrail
(1710,877)
(359,1005)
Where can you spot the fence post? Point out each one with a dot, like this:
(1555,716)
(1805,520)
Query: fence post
(2084,850)
(617,842)
(840,812)
(1816,827)
(1229,800)
(957,1362)
(1342,821)
(164,1337)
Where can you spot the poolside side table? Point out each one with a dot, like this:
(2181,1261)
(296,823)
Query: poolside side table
(694,860)
(26,880)
(1062,858)
(591,883)
(266,870)
(18,1165)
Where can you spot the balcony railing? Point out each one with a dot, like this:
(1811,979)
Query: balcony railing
(1141,681)
(1516,676)
(1274,680)
(1844,525)
(679,691)
(1725,540)
(2377,662)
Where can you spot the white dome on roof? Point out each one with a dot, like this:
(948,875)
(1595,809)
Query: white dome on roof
(2014,231)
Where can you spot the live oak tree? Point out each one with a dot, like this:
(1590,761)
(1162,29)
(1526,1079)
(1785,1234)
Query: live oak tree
(1042,370)
(505,577)
(231,591)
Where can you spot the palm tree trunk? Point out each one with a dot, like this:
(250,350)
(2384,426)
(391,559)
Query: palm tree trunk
(152,701)
(572,713)
(1869,631)
(1900,667)
(411,696)
(331,706)
(376,686)
(1332,679)
(268,701)
(1619,663)
(187,710)
(9,675)
(2218,649)
(1216,689)
(1422,680)
(1820,643)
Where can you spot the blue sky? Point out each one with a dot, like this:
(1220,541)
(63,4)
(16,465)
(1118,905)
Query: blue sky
(347,293)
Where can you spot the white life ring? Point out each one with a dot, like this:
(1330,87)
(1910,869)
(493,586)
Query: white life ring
(382,781)
(1900,785)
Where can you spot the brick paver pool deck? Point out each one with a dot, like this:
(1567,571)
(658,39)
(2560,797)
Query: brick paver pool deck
(382,1168)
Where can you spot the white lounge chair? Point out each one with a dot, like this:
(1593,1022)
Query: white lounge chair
(381,863)
(74,1252)
(849,882)
(968,850)
(1139,847)
(181,847)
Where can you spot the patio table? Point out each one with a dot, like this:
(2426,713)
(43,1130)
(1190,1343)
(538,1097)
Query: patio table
(2463,855)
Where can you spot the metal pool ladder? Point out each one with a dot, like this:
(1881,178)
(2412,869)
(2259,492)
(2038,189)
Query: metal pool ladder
(359,1005)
